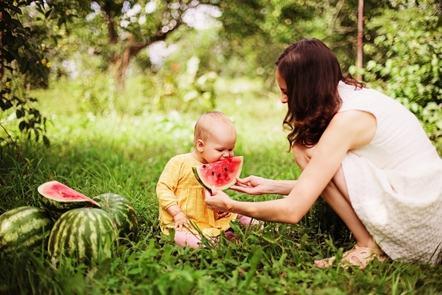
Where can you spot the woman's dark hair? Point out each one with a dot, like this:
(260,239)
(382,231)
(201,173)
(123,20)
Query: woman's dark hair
(312,73)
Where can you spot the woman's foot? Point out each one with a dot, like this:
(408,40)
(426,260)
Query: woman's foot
(325,262)
(357,256)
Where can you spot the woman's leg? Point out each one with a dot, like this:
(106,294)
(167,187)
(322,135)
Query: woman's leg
(336,195)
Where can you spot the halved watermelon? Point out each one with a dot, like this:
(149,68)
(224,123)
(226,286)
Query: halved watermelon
(219,175)
(60,196)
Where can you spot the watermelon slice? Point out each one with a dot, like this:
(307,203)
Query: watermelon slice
(61,193)
(219,175)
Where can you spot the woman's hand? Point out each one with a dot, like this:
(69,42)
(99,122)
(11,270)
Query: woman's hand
(253,185)
(181,221)
(218,201)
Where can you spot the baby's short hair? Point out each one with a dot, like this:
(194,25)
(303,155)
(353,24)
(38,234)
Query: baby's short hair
(202,125)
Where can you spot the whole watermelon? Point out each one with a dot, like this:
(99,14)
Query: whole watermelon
(123,214)
(23,228)
(84,234)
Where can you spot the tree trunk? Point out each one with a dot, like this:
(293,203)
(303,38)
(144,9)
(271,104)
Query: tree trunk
(1,46)
(360,50)
(122,61)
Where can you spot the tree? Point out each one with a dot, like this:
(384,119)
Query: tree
(272,25)
(407,63)
(121,29)
(22,64)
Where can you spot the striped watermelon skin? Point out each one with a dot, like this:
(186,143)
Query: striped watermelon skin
(84,234)
(123,214)
(55,208)
(23,228)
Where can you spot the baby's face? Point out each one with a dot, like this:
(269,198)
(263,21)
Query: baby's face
(219,145)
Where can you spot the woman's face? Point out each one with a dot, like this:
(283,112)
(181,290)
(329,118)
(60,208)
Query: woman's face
(282,87)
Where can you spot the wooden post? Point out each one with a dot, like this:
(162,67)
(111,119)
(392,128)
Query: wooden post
(2,70)
(360,50)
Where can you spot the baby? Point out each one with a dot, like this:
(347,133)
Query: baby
(181,197)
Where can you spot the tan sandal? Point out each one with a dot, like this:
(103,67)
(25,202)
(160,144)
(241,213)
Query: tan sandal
(357,256)
(361,256)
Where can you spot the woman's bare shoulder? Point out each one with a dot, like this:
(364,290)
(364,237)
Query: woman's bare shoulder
(359,126)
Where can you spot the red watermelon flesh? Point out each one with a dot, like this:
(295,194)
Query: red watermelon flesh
(219,175)
(60,192)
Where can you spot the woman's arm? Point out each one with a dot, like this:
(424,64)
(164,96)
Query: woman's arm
(346,131)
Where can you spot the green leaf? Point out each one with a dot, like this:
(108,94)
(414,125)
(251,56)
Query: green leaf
(48,13)
(19,113)
(46,141)
(22,126)
(5,104)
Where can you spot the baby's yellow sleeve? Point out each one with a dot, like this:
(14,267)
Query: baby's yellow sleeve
(167,184)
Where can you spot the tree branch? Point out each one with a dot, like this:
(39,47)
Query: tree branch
(160,35)
(132,47)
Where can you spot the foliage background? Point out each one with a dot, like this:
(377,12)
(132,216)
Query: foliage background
(48,42)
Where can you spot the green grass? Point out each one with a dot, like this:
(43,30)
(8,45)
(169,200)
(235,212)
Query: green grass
(125,154)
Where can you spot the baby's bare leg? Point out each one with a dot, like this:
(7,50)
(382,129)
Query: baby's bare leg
(247,221)
(187,239)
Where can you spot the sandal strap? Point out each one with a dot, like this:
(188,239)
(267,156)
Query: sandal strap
(361,256)
(356,256)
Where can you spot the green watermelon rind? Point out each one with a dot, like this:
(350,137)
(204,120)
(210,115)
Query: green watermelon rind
(23,228)
(55,208)
(224,187)
(195,172)
(122,212)
(84,234)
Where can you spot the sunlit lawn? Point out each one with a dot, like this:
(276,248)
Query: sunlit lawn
(125,154)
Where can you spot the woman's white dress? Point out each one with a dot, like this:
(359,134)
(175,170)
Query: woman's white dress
(395,182)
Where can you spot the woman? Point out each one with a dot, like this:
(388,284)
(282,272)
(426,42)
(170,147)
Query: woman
(363,152)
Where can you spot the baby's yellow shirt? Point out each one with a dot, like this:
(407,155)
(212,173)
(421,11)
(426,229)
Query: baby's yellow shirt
(178,186)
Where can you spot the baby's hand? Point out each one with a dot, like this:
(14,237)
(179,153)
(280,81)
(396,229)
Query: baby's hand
(181,221)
